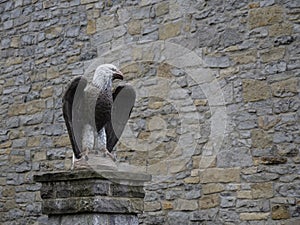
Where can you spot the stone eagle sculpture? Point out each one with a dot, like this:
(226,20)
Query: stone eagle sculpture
(94,114)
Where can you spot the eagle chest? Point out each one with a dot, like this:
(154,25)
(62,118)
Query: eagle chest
(98,103)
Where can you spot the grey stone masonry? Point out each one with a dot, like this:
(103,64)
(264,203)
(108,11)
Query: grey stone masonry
(92,197)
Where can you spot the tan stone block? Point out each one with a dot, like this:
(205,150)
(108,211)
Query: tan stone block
(13,61)
(52,73)
(167,205)
(265,16)
(260,139)
(15,42)
(105,22)
(269,160)
(6,144)
(245,57)
(220,175)
(35,106)
(200,102)
(262,190)
(162,8)
(228,72)
(10,204)
(169,30)
(160,168)
(33,141)
(91,27)
(2,181)
(280,29)
(285,88)
(212,188)
(164,70)
(244,194)
(55,31)
(254,216)
(192,180)
(39,156)
(152,206)
(9,192)
(155,105)
(266,123)
(47,92)
(73,59)
(15,159)
(280,211)
(88,1)
(254,90)
(272,54)
(253,5)
(61,141)
(134,27)
(176,166)
(209,201)
(186,205)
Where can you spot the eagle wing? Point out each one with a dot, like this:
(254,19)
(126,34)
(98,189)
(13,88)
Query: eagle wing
(72,109)
(123,101)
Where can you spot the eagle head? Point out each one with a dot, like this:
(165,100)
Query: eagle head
(105,74)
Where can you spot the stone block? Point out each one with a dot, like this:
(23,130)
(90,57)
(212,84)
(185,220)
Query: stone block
(246,57)
(161,8)
(91,27)
(209,201)
(219,175)
(254,90)
(234,157)
(244,194)
(260,139)
(262,190)
(265,16)
(280,211)
(204,215)
(152,206)
(227,201)
(166,205)
(217,62)
(285,88)
(272,54)
(106,22)
(169,30)
(279,29)
(192,180)
(270,160)
(186,205)
(254,216)
(134,27)
(212,188)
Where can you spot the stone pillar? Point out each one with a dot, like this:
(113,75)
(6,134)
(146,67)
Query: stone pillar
(90,197)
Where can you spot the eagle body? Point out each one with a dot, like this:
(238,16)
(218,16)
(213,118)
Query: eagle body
(95,115)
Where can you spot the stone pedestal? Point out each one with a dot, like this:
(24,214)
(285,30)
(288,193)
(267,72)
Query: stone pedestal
(92,197)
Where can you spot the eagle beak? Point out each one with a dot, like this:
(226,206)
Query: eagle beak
(118,75)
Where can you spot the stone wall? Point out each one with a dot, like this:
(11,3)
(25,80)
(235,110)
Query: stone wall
(217,115)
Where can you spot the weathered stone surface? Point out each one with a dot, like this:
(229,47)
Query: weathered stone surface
(186,205)
(215,175)
(260,139)
(254,216)
(254,90)
(285,88)
(169,30)
(265,16)
(280,212)
(212,188)
(272,54)
(209,201)
(262,190)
